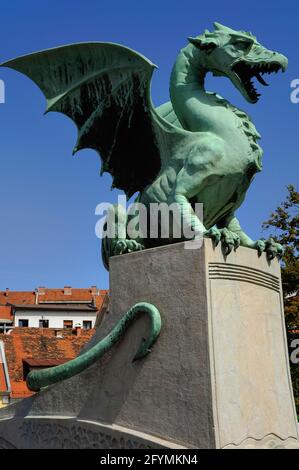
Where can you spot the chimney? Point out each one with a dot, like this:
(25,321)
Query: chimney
(77,330)
(67,290)
(94,290)
(41,290)
(6,291)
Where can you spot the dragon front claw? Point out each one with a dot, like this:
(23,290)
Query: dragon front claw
(270,247)
(229,240)
(126,246)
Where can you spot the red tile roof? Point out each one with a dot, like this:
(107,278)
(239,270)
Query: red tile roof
(99,300)
(41,295)
(3,385)
(4,380)
(41,347)
(15,297)
(77,295)
(38,346)
(5,312)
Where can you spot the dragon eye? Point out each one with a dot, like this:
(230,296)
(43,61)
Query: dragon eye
(242,45)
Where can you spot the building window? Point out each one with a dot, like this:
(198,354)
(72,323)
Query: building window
(23,323)
(44,323)
(67,323)
(87,325)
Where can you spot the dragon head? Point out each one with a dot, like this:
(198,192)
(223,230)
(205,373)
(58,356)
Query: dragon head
(240,57)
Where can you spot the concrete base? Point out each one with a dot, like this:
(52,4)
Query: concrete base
(217,377)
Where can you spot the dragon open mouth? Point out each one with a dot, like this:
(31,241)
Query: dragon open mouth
(246,72)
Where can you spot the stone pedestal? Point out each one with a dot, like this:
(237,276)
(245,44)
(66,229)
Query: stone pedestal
(217,377)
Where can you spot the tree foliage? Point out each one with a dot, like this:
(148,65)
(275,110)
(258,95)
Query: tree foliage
(285,222)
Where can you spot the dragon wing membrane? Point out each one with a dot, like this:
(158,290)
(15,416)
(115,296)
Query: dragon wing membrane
(105,89)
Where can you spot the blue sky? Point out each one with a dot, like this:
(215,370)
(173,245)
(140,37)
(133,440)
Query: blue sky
(48,197)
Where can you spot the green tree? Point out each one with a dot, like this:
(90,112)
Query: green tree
(285,222)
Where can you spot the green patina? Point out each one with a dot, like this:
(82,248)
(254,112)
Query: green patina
(42,378)
(195,148)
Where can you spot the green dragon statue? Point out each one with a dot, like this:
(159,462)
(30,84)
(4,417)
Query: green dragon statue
(195,148)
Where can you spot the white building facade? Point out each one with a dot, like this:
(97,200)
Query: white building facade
(42,316)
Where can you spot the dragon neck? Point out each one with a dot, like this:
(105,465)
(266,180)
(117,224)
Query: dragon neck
(187,81)
(199,110)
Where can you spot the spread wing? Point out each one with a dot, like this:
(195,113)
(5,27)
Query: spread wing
(105,89)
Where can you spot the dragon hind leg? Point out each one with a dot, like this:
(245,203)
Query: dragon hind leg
(115,240)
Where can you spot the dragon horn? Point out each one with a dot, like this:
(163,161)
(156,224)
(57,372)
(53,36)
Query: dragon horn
(221,27)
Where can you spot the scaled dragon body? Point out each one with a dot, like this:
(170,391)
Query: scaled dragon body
(195,148)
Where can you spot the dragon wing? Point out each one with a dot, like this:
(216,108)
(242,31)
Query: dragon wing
(105,89)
